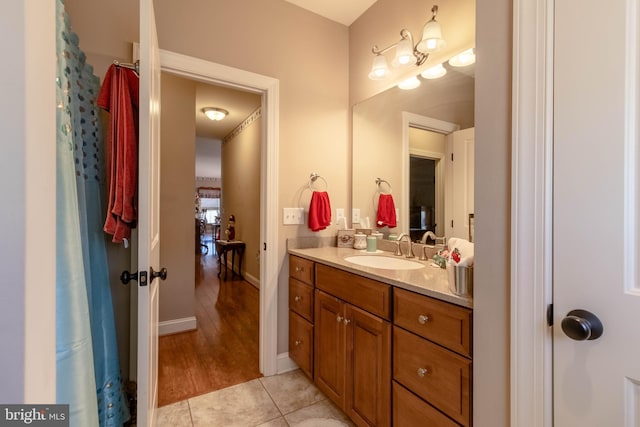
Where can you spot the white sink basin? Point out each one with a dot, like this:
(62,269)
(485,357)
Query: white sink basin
(384,262)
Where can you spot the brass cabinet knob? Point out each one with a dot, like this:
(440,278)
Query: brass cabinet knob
(422,319)
(422,372)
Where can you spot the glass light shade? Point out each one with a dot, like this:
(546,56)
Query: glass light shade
(434,72)
(404,54)
(463,59)
(380,69)
(215,113)
(410,83)
(431,37)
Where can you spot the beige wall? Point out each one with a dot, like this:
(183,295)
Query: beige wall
(492,214)
(241,195)
(177,177)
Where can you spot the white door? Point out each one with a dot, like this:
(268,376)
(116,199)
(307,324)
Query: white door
(596,212)
(148,216)
(459,182)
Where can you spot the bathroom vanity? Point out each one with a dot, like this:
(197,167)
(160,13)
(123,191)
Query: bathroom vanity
(389,347)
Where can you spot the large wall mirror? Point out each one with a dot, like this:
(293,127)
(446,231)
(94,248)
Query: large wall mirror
(407,139)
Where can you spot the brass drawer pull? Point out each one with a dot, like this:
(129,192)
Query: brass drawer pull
(422,372)
(297,298)
(299,269)
(346,321)
(339,318)
(298,342)
(422,319)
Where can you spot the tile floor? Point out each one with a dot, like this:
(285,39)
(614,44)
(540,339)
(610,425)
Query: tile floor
(288,399)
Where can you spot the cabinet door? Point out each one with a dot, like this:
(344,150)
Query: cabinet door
(368,368)
(301,343)
(330,351)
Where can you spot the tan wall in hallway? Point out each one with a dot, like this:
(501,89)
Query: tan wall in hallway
(241,193)
(177,197)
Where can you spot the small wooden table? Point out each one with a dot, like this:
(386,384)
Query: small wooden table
(224,246)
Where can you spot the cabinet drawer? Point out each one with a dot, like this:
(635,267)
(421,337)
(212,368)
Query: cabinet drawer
(301,343)
(439,376)
(301,269)
(411,411)
(367,294)
(446,324)
(301,298)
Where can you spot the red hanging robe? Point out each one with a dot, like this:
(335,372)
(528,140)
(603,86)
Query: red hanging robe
(119,96)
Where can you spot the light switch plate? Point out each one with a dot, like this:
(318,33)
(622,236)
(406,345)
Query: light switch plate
(355,215)
(292,216)
(339,214)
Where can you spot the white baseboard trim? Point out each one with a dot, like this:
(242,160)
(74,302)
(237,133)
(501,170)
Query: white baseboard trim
(177,325)
(285,363)
(253,280)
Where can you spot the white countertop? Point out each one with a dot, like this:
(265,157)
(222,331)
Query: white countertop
(430,281)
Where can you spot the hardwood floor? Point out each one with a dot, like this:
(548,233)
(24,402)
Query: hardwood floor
(223,351)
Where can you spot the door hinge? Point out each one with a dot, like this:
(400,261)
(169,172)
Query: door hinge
(451,223)
(550,315)
(264,246)
(452,157)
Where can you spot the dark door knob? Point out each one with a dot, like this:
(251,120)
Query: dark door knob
(162,274)
(126,277)
(582,325)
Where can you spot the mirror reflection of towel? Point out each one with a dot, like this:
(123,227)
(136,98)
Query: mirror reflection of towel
(319,211)
(386,212)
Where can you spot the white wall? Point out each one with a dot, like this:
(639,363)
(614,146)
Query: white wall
(27,184)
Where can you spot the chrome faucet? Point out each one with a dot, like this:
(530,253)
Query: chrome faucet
(426,235)
(410,251)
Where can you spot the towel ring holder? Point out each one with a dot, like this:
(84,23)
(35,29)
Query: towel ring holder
(379,183)
(313,178)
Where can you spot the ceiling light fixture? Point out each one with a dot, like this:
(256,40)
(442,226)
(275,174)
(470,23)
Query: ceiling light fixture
(215,113)
(406,52)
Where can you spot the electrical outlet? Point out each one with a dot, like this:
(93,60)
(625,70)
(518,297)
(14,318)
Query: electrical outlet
(292,216)
(355,215)
(339,214)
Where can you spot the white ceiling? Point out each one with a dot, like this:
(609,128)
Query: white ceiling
(342,11)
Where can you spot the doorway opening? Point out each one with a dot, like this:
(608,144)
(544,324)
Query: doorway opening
(268,88)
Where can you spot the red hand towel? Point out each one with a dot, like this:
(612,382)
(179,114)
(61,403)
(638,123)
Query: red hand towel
(386,211)
(319,211)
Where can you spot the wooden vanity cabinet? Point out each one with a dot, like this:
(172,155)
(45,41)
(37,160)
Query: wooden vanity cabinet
(341,336)
(353,346)
(301,328)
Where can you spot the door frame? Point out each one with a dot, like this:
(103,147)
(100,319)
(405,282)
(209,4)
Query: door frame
(222,75)
(531,289)
(435,125)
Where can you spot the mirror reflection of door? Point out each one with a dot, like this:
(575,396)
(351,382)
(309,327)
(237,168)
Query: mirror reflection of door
(422,196)
(426,182)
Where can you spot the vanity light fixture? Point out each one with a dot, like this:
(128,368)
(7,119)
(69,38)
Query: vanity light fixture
(215,113)
(406,52)
(463,59)
(434,72)
(410,83)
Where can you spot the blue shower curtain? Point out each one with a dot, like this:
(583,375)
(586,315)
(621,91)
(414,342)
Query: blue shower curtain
(87,366)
